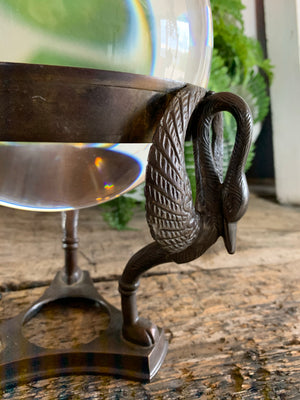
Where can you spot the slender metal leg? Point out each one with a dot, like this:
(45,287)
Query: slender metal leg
(72,273)
(135,329)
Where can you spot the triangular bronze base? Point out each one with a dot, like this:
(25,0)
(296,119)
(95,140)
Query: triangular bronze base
(22,361)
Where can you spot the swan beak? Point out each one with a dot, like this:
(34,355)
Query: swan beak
(230,236)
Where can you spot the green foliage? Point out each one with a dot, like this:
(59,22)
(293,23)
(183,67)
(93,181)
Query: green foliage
(190,165)
(238,64)
(118,212)
(241,54)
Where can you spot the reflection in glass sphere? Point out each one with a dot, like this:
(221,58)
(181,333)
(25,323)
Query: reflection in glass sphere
(168,39)
(64,176)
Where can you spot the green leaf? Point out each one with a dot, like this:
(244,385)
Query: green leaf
(258,89)
(190,165)
(219,78)
(118,212)
(241,54)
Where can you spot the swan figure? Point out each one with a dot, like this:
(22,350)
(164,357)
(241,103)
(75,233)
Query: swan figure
(182,229)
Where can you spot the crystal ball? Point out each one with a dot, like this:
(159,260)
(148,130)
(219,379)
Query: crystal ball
(170,40)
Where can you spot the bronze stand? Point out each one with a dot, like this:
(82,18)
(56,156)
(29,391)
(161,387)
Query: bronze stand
(182,229)
(22,361)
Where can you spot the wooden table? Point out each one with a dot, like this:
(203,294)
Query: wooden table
(233,322)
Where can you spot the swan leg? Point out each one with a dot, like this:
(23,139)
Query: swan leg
(135,329)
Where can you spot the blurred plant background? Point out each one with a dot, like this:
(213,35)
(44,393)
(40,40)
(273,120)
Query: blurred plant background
(238,66)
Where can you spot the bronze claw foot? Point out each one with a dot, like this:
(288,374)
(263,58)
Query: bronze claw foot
(141,332)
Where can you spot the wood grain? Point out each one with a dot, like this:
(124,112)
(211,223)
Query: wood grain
(233,322)
(31,252)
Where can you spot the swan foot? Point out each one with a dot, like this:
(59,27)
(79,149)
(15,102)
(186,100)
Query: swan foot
(141,332)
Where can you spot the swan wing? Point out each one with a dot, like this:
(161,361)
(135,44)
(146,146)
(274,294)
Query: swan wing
(170,212)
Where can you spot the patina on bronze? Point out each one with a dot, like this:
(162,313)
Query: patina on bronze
(41,103)
(88,103)
(181,230)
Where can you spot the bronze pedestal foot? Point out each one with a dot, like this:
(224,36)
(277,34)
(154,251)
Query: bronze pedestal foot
(110,353)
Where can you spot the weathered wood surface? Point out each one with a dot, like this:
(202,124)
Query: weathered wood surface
(31,248)
(31,253)
(233,321)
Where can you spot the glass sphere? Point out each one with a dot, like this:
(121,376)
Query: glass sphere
(166,39)
(169,39)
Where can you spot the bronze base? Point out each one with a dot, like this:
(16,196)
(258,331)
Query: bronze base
(22,361)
